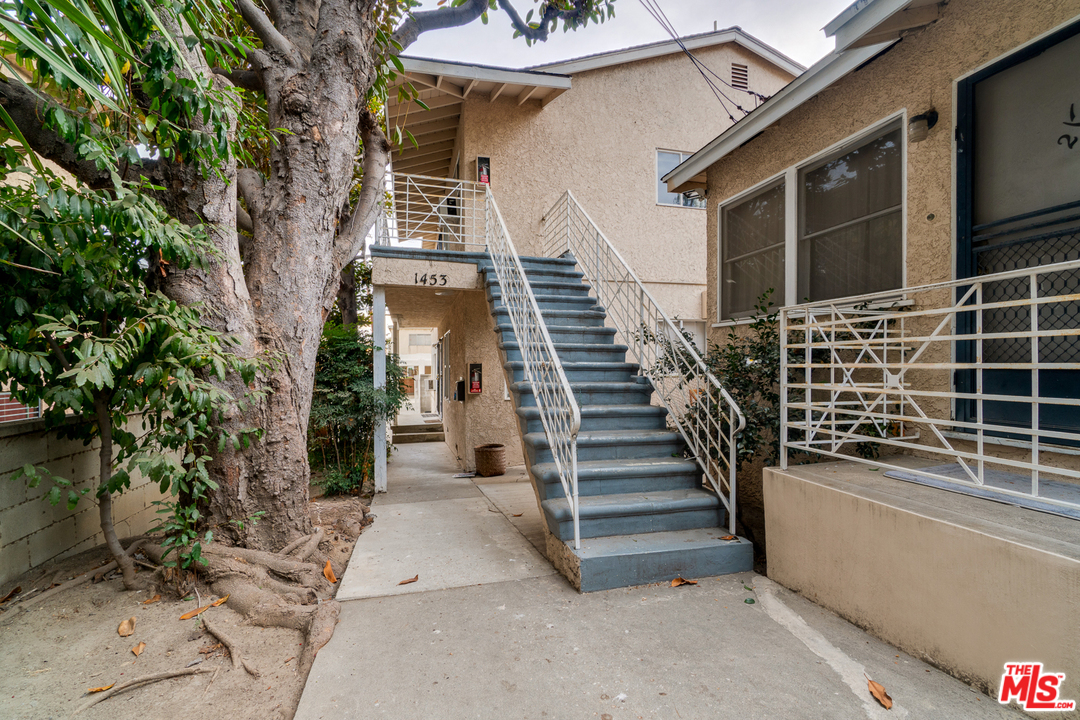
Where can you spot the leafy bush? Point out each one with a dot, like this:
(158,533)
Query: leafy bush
(345,406)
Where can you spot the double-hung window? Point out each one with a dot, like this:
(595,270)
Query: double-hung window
(666,161)
(752,245)
(850,221)
(839,217)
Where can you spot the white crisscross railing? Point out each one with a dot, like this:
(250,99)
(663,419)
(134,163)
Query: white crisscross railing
(926,368)
(701,409)
(433,213)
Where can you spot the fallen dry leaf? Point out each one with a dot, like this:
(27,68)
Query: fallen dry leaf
(127,627)
(156,598)
(193,613)
(15,591)
(138,649)
(410,580)
(729,537)
(219,601)
(878,691)
(328,573)
(100,689)
(517,514)
(680,581)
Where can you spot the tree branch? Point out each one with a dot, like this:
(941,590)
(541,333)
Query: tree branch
(57,350)
(28,110)
(546,22)
(351,234)
(250,185)
(271,38)
(428,20)
(243,221)
(247,79)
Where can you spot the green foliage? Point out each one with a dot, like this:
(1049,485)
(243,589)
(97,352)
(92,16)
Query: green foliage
(346,406)
(748,366)
(81,334)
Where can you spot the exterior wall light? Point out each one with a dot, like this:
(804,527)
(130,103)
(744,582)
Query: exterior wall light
(919,126)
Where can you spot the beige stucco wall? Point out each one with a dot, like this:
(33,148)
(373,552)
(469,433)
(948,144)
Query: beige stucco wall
(915,75)
(484,418)
(599,139)
(33,531)
(965,594)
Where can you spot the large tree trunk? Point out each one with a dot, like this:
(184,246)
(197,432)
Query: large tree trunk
(277,301)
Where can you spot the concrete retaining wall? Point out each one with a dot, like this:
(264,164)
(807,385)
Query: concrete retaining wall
(966,593)
(33,531)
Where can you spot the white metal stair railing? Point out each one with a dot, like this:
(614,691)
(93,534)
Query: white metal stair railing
(706,416)
(890,368)
(558,408)
(433,213)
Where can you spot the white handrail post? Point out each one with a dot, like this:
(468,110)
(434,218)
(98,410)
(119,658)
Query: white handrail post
(783,390)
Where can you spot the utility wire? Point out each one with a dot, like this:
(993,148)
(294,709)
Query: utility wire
(654,9)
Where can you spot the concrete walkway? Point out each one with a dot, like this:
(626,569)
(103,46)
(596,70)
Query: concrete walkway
(489,630)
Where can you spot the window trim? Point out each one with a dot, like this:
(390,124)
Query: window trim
(793,209)
(683,156)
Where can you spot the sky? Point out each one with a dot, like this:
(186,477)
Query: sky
(791,26)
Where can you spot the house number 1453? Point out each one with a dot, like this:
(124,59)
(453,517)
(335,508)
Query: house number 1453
(429,279)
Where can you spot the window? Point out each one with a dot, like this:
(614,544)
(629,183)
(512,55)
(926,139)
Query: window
(850,224)
(740,76)
(12,411)
(420,340)
(666,161)
(829,228)
(752,247)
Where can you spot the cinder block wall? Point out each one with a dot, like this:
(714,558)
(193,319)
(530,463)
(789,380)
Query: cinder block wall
(32,530)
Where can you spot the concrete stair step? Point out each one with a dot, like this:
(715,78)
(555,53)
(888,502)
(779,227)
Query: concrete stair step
(404,438)
(548,301)
(574,286)
(618,477)
(591,393)
(606,417)
(582,371)
(426,427)
(562,333)
(635,513)
(574,352)
(593,318)
(628,560)
(610,445)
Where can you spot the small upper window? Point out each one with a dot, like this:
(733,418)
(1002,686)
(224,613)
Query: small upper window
(740,76)
(666,161)
(419,340)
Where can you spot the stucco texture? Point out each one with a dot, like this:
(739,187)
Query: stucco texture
(915,75)
(484,418)
(600,139)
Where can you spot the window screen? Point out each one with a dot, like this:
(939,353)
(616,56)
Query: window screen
(420,340)
(752,248)
(851,232)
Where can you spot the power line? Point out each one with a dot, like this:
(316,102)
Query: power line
(654,9)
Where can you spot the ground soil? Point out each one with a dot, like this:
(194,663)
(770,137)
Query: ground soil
(59,648)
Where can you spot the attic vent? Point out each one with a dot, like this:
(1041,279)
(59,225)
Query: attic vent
(740,76)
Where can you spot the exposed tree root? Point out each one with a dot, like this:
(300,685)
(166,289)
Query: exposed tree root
(310,546)
(273,591)
(106,694)
(238,659)
(284,552)
(14,611)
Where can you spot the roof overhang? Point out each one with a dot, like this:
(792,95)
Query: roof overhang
(669,47)
(820,76)
(869,22)
(443,86)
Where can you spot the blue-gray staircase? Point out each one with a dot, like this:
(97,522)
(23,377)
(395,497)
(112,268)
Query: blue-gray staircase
(644,515)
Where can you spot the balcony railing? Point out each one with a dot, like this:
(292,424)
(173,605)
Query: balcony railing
(433,213)
(954,371)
